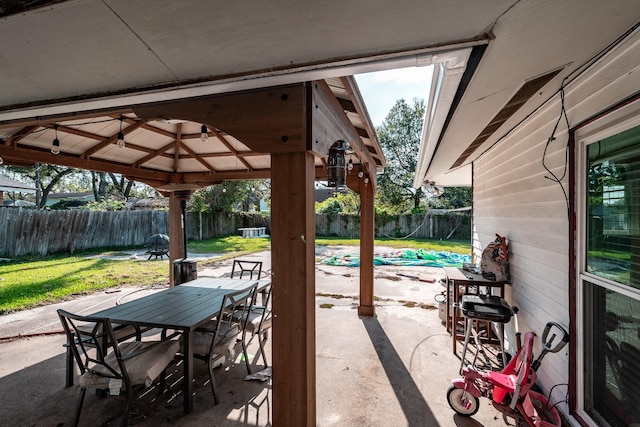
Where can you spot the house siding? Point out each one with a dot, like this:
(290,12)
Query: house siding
(514,198)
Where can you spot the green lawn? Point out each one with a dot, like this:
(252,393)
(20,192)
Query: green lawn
(28,282)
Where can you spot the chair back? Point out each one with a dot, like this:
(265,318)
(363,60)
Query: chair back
(246,269)
(228,327)
(91,339)
(266,310)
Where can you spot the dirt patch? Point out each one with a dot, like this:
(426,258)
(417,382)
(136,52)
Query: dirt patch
(412,304)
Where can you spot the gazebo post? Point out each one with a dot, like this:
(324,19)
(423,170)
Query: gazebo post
(293,281)
(367,235)
(176,231)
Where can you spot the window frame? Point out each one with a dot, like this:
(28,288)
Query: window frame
(606,125)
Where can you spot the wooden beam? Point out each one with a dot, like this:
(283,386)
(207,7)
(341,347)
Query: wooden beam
(19,154)
(267,120)
(293,281)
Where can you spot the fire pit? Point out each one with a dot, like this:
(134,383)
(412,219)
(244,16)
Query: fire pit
(157,245)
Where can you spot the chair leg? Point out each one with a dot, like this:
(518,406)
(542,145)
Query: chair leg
(246,356)
(212,380)
(261,340)
(70,367)
(76,418)
(125,416)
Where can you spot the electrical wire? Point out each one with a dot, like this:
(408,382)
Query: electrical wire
(426,215)
(566,399)
(553,177)
(46,128)
(572,76)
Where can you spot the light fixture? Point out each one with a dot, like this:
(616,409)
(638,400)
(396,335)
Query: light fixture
(204,133)
(336,164)
(360,174)
(121,142)
(350,165)
(55,145)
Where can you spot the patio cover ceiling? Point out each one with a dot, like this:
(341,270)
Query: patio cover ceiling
(78,61)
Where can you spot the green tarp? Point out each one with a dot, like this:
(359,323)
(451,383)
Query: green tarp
(408,257)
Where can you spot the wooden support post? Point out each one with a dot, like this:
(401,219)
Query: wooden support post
(367,232)
(293,281)
(176,232)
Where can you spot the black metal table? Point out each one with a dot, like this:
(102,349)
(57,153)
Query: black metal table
(182,308)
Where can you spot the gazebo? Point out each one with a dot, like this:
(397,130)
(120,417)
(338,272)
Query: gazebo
(284,133)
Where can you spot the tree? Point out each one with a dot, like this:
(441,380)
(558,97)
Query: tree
(399,136)
(452,198)
(46,178)
(230,196)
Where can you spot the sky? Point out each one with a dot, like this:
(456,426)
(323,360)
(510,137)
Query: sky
(381,89)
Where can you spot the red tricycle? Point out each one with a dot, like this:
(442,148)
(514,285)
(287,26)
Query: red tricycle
(510,389)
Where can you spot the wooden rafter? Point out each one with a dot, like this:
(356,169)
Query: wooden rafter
(231,148)
(195,156)
(349,84)
(112,139)
(331,123)
(154,154)
(19,135)
(177,144)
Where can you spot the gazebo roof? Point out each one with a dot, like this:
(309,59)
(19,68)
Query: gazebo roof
(163,145)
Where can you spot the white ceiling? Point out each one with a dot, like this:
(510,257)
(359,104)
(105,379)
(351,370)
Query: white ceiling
(83,55)
(88,47)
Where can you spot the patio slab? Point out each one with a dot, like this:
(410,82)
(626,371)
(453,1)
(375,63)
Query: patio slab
(390,369)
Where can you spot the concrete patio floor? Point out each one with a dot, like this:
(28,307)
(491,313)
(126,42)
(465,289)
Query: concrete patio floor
(392,369)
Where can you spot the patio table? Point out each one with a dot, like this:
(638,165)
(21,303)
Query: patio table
(182,308)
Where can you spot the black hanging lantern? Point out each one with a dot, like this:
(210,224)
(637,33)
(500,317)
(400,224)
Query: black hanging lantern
(337,164)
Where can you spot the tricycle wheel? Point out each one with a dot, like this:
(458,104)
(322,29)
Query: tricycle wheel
(463,402)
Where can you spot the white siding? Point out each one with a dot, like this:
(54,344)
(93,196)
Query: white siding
(512,197)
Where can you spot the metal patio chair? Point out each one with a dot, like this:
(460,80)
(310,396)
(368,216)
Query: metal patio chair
(121,333)
(243,269)
(216,341)
(106,364)
(257,322)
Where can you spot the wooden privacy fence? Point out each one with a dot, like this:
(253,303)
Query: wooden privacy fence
(29,231)
(432,226)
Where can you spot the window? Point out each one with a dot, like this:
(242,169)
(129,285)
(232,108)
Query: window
(609,277)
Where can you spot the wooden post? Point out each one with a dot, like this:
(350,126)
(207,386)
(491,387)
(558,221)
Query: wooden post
(367,232)
(176,233)
(293,292)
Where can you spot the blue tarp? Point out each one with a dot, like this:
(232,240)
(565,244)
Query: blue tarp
(407,257)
